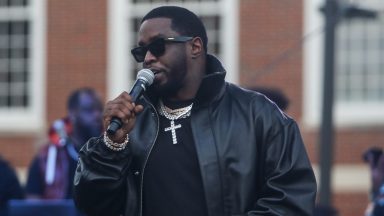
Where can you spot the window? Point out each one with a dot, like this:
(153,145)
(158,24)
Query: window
(219,16)
(14,60)
(359,68)
(360,59)
(20,65)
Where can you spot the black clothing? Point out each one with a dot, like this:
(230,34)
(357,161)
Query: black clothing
(9,186)
(378,202)
(251,157)
(172,181)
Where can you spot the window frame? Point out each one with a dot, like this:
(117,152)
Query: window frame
(31,118)
(346,113)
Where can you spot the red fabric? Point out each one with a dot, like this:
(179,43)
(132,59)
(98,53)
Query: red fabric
(54,136)
(59,187)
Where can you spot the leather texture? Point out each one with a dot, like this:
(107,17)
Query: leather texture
(251,157)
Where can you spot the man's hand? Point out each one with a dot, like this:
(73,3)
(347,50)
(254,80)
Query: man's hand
(123,108)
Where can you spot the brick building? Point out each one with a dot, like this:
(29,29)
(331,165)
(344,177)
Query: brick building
(50,47)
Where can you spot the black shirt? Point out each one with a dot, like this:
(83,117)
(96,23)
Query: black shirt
(172,179)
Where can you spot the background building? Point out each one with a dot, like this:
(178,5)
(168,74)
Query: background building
(50,47)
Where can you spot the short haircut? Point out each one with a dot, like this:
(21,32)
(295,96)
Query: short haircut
(74,98)
(184,21)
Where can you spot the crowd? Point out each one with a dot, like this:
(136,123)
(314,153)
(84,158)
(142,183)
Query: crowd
(51,172)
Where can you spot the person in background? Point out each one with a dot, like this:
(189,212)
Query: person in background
(374,157)
(193,144)
(51,173)
(10,187)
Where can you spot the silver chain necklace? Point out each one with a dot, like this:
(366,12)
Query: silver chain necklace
(172,115)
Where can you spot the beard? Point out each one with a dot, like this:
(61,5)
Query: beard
(170,89)
(175,79)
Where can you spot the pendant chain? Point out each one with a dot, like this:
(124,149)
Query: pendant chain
(174,114)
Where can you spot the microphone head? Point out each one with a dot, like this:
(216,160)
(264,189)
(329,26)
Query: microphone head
(146,75)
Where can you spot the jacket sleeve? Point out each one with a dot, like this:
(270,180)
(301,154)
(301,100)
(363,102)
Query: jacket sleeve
(100,179)
(288,184)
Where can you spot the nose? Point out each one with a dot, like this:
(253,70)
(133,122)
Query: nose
(149,57)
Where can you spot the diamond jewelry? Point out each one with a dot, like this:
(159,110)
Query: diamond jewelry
(172,115)
(115,146)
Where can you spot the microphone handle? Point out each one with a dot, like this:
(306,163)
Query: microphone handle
(114,125)
(136,91)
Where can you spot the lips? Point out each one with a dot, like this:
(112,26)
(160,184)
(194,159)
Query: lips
(155,71)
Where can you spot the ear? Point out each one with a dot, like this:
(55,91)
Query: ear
(197,47)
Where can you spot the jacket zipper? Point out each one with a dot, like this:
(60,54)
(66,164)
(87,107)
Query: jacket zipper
(146,160)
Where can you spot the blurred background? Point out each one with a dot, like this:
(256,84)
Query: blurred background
(48,48)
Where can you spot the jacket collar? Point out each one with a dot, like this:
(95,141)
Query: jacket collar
(211,87)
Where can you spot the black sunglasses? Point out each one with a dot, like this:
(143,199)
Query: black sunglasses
(156,47)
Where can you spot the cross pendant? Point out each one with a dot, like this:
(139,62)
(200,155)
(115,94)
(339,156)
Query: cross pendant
(173,128)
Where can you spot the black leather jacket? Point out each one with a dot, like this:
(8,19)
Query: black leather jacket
(251,156)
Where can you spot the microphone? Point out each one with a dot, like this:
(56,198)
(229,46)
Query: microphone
(144,79)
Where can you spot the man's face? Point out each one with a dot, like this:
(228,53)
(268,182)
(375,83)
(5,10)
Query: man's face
(170,68)
(87,118)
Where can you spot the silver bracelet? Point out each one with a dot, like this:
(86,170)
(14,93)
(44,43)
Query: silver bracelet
(115,146)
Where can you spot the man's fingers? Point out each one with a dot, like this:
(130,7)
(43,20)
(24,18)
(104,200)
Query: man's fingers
(123,108)
(138,108)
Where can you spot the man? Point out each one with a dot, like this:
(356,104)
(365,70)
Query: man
(52,171)
(194,144)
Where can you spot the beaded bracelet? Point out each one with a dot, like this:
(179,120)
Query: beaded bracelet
(115,146)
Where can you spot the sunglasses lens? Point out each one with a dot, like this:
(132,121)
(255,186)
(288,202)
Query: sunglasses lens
(139,53)
(157,48)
